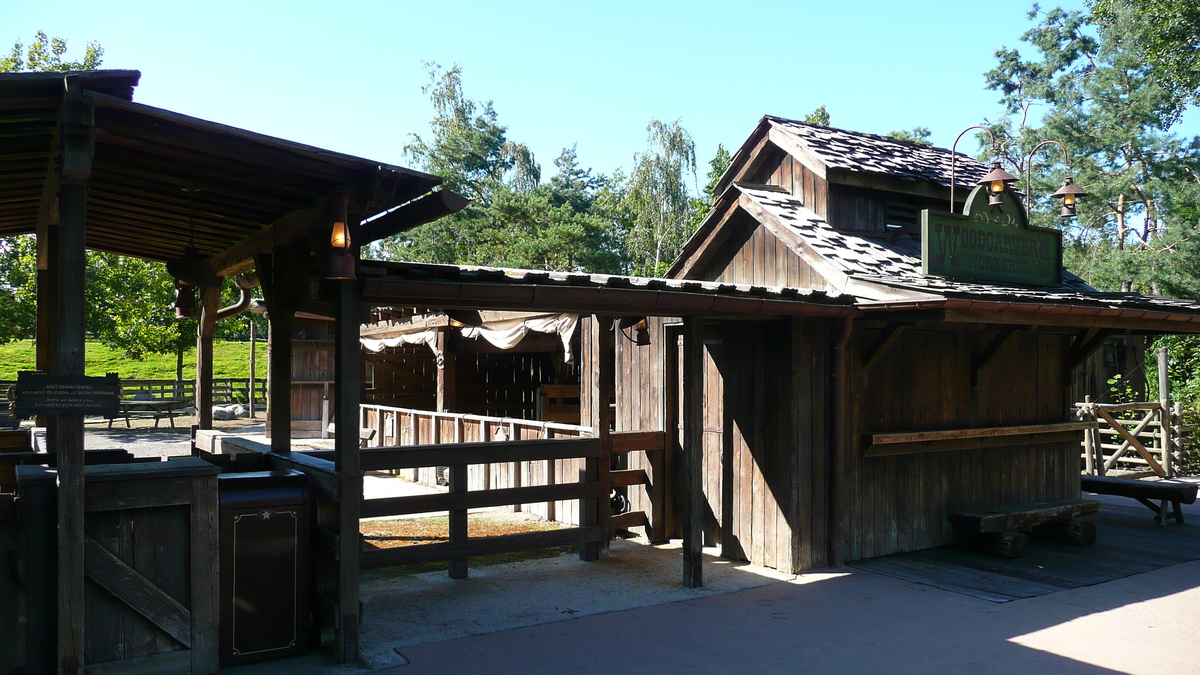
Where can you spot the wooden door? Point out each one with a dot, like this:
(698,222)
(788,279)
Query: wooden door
(714,438)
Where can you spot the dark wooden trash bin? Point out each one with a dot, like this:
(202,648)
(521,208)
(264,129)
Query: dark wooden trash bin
(265,520)
(151,587)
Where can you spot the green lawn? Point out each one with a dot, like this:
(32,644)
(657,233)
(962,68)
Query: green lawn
(230,359)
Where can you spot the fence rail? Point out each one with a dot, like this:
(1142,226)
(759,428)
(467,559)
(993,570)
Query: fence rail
(459,457)
(225,389)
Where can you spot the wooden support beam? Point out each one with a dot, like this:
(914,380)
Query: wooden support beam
(78,146)
(418,212)
(884,340)
(447,376)
(348,386)
(693,451)
(299,224)
(989,352)
(1083,346)
(209,304)
(600,362)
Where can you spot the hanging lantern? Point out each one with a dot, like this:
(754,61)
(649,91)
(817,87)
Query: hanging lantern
(340,264)
(185,300)
(1070,193)
(191,267)
(997,181)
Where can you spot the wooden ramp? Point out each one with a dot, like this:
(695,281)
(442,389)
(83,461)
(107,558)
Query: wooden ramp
(1127,543)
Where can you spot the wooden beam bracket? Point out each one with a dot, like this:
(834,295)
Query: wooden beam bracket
(884,340)
(989,352)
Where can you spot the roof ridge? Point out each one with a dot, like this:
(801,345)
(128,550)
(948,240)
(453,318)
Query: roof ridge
(878,137)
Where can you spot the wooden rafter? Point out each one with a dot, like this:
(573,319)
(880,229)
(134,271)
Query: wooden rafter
(989,352)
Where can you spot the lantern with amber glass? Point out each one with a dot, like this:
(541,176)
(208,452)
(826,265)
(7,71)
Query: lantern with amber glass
(340,265)
(997,181)
(1070,193)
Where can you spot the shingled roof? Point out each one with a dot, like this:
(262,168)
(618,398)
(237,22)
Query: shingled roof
(857,152)
(895,263)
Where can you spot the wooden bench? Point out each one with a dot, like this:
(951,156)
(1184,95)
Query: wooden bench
(1174,492)
(999,531)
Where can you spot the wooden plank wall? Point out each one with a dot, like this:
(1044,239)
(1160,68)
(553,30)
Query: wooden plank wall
(812,424)
(789,174)
(312,367)
(506,384)
(641,390)
(752,255)
(403,377)
(923,382)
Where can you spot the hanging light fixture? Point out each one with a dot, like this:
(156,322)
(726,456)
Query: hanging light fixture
(185,300)
(1070,193)
(191,267)
(997,181)
(340,264)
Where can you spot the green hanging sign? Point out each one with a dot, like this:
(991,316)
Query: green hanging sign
(990,244)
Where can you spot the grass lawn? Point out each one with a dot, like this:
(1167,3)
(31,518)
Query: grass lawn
(230,359)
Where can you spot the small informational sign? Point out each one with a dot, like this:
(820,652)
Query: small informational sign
(987,243)
(39,394)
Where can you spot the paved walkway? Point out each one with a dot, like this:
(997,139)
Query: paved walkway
(832,621)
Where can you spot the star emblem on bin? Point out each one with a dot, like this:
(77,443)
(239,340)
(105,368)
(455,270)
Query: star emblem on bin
(266,514)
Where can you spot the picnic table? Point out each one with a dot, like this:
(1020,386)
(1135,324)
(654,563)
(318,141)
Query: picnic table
(156,408)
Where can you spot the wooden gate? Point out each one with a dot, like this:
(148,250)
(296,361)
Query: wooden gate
(1139,438)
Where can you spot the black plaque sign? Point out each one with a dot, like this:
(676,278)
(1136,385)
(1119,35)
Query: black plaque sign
(39,394)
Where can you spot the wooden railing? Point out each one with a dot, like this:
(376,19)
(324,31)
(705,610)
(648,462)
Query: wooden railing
(652,475)
(1142,437)
(458,457)
(411,427)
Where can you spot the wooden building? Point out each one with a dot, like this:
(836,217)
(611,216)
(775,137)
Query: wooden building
(428,360)
(829,440)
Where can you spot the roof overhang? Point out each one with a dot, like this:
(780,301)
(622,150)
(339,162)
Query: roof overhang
(154,172)
(452,287)
(960,310)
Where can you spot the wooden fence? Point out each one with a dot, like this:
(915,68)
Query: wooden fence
(411,427)
(408,427)
(1143,438)
(225,389)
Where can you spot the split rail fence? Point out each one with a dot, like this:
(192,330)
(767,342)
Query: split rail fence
(1143,438)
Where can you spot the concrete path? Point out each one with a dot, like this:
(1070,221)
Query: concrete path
(749,620)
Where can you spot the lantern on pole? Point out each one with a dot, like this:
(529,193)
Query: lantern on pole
(1070,193)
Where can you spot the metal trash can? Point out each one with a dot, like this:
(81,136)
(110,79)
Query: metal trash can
(265,568)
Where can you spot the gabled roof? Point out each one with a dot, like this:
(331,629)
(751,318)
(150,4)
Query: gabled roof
(889,268)
(823,149)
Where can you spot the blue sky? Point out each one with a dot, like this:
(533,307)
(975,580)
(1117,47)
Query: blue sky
(347,76)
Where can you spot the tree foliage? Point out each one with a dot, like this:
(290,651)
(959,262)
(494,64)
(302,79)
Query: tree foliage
(47,54)
(1163,34)
(1094,95)
(819,116)
(918,135)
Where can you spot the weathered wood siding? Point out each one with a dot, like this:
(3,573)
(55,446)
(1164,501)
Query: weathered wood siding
(752,255)
(641,397)
(923,382)
(812,190)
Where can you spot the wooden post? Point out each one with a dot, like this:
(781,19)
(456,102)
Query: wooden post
(1088,451)
(1164,402)
(210,299)
(253,349)
(458,519)
(78,146)
(47,283)
(347,398)
(842,442)
(600,363)
(447,376)
(693,451)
